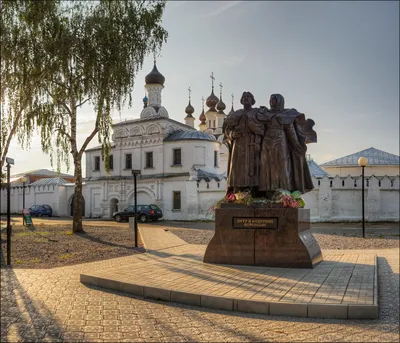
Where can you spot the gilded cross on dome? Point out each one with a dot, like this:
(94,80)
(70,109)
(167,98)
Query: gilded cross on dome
(190,91)
(212,80)
(220,89)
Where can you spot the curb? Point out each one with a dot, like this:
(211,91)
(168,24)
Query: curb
(293,309)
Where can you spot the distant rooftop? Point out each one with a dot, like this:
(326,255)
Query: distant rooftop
(50,181)
(374,156)
(42,172)
(315,169)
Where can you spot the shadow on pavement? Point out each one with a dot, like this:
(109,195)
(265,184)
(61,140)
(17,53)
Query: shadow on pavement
(22,318)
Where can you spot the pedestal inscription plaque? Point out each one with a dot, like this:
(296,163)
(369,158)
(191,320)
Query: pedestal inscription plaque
(273,237)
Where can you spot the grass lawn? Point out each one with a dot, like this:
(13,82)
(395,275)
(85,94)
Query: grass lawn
(48,246)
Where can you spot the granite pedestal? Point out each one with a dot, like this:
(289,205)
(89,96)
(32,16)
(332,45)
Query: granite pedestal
(263,236)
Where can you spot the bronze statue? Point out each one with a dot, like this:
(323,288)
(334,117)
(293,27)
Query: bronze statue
(243,135)
(267,148)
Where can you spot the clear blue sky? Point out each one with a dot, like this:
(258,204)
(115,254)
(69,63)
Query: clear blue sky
(337,62)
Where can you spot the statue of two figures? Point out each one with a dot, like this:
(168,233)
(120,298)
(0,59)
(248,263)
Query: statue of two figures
(267,148)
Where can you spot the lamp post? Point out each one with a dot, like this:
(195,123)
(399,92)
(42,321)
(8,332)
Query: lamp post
(363,162)
(9,161)
(134,173)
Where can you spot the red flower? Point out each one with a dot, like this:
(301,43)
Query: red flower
(289,201)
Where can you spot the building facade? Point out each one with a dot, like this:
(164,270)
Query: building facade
(170,156)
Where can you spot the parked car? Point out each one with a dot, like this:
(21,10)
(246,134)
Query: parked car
(41,210)
(144,213)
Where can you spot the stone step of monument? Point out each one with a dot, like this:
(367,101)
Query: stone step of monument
(344,285)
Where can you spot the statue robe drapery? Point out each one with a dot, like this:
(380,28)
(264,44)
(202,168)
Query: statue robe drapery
(244,162)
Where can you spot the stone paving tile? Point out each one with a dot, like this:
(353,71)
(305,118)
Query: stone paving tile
(33,301)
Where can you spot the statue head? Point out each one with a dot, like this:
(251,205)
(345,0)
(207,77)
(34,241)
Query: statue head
(277,102)
(247,99)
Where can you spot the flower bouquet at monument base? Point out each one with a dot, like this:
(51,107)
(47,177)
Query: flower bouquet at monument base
(281,197)
(289,199)
(243,197)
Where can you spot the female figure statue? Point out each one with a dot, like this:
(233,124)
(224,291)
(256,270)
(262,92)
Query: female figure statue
(283,161)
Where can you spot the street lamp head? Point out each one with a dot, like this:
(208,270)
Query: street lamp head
(362,161)
(24,179)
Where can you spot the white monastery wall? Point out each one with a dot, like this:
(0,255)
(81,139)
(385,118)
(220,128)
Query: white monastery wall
(332,200)
(34,195)
(368,171)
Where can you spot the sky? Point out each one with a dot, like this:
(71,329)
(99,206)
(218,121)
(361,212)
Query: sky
(337,62)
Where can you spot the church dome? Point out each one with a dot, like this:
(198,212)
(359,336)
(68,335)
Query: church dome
(221,106)
(190,135)
(202,118)
(154,77)
(212,100)
(189,110)
(145,99)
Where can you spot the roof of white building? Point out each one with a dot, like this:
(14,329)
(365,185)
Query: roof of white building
(41,172)
(374,156)
(140,120)
(98,147)
(189,135)
(50,181)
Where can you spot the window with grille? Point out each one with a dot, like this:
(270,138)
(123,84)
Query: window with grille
(149,159)
(128,161)
(96,163)
(176,200)
(215,158)
(177,157)
(111,162)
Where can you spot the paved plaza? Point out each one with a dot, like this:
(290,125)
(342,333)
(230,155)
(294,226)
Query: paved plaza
(344,285)
(53,305)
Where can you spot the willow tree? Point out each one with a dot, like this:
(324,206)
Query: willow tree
(93,51)
(21,74)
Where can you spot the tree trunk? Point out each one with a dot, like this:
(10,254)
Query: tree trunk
(77,221)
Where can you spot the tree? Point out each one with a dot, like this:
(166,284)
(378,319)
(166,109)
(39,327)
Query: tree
(89,53)
(20,74)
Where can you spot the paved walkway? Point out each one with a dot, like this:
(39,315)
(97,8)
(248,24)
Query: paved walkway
(157,238)
(344,285)
(53,306)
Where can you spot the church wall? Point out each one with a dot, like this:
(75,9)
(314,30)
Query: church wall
(209,194)
(204,160)
(63,200)
(189,200)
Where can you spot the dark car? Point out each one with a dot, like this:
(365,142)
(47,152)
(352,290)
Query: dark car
(41,210)
(144,213)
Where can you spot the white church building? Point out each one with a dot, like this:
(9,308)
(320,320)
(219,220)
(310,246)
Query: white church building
(183,170)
